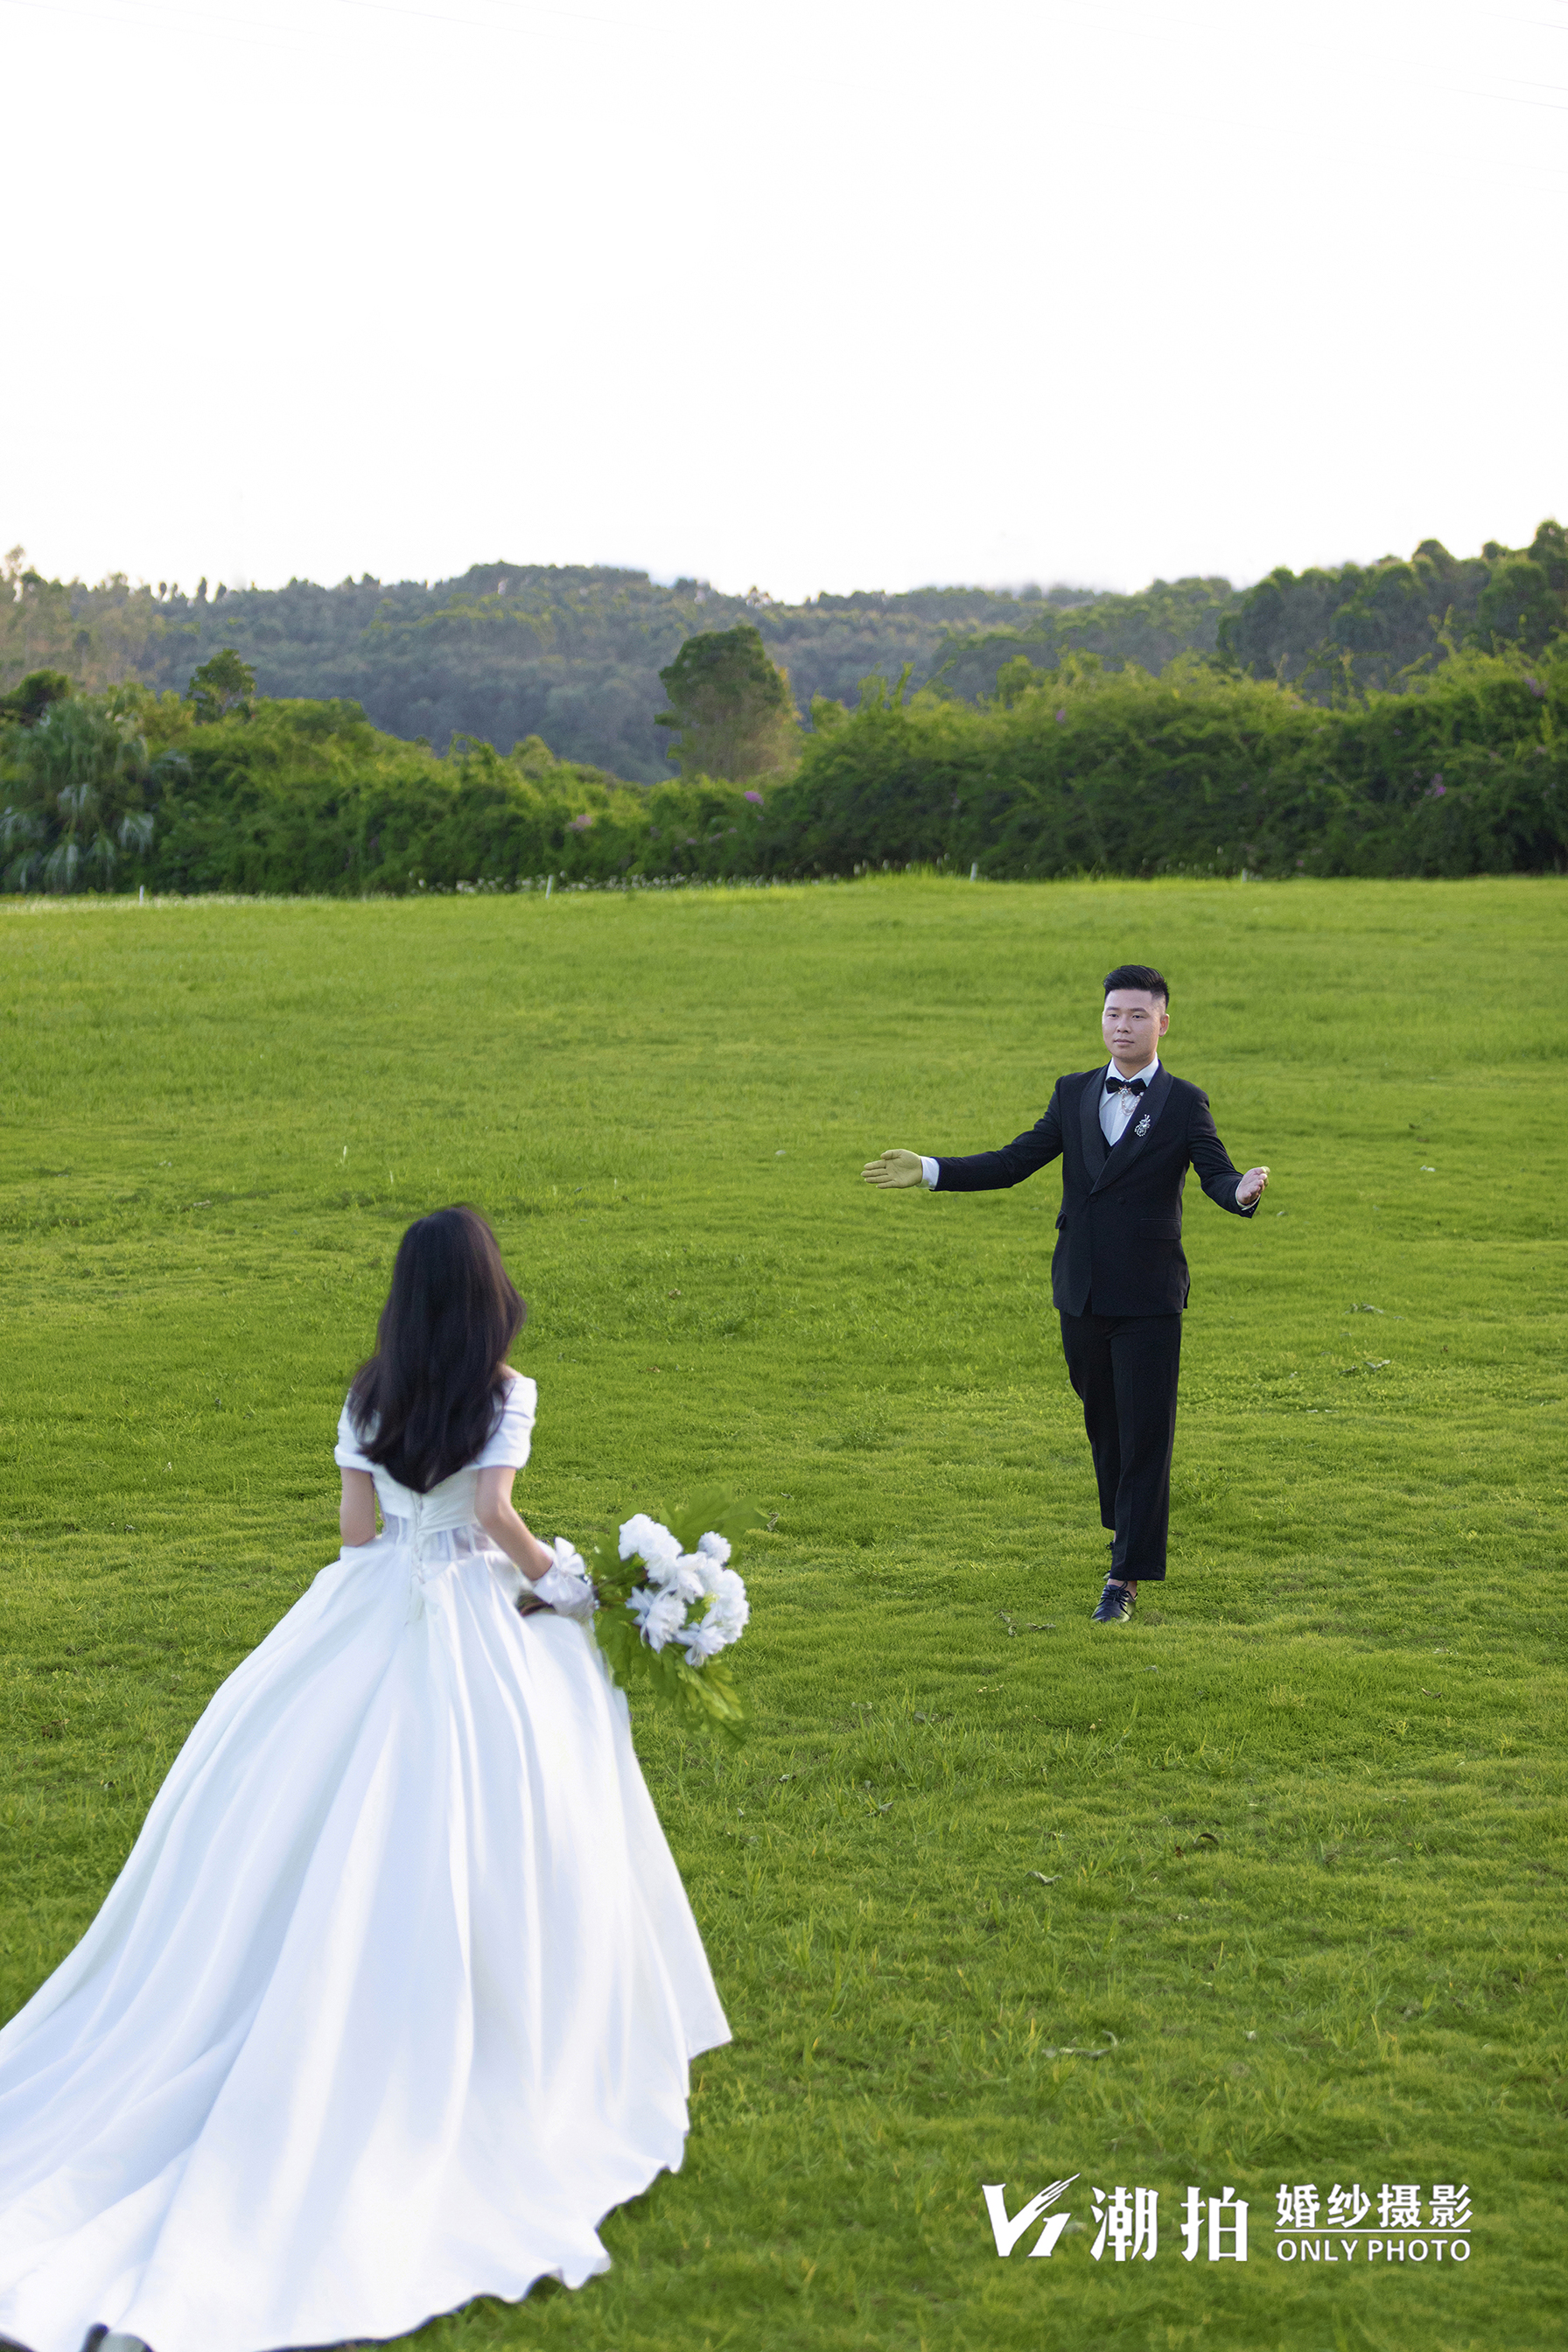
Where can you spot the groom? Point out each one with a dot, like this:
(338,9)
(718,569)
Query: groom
(1126,1136)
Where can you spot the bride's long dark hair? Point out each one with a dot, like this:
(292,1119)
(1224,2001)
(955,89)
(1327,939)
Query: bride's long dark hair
(429,1398)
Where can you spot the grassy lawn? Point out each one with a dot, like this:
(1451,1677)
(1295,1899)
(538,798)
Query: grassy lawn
(1285,1854)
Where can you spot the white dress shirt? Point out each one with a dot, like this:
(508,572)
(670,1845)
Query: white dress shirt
(1115,1110)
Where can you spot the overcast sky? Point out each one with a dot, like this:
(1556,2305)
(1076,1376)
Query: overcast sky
(847,293)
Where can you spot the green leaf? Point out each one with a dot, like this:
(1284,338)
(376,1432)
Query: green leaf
(716,1512)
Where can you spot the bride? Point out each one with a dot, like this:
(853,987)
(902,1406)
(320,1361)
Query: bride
(395,1997)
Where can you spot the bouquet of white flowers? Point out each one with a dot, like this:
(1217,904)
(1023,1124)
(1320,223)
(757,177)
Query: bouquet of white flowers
(668,1602)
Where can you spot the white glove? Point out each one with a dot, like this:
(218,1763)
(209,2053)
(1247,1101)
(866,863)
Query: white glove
(565,1587)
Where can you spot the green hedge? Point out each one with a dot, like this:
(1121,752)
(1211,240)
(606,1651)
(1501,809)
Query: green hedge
(307,796)
(1091,772)
(1076,770)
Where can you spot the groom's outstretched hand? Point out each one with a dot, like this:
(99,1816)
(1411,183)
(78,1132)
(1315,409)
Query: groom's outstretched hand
(894,1168)
(1250,1188)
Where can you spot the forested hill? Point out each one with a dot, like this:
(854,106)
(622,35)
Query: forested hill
(1328,634)
(572,653)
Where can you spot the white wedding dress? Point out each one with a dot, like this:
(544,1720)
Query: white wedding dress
(392,2000)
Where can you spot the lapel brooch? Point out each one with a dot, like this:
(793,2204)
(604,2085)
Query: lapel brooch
(1142,1126)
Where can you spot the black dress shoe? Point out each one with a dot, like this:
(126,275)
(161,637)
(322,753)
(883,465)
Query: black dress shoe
(1117,1603)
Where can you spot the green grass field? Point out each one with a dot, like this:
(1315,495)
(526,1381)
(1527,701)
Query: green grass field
(1286,1853)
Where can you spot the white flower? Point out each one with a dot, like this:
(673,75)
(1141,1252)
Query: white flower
(730,1609)
(683,1575)
(663,1617)
(647,1539)
(725,1620)
(676,1579)
(701,1641)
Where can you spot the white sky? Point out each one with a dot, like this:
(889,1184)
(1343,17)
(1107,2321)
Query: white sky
(854,293)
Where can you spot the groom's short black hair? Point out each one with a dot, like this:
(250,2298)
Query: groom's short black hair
(1137,975)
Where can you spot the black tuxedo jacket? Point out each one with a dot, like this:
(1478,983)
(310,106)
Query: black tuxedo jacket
(1118,1245)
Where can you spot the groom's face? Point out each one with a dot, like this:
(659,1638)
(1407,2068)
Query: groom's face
(1132,1026)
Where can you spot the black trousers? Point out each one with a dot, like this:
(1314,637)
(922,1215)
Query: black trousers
(1125,1367)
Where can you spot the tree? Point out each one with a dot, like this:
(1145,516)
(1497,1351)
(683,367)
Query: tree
(79,785)
(1517,604)
(25,704)
(224,684)
(35,622)
(730,706)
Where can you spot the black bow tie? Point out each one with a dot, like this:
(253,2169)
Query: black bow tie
(1126,1086)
